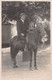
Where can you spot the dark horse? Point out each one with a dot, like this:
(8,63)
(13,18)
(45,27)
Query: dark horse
(31,41)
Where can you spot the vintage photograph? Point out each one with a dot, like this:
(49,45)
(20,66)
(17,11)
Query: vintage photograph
(26,40)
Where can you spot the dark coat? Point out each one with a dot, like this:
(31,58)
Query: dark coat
(22,27)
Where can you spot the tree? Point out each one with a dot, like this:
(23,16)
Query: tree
(12,10)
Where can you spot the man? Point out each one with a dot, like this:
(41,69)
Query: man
(22,25)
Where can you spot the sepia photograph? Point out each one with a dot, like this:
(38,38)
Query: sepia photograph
(26,40)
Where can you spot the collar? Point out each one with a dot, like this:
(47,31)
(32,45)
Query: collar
(22,20)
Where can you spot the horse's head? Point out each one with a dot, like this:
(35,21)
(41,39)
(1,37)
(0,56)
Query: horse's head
(31,25)
(39,28)
(42,32)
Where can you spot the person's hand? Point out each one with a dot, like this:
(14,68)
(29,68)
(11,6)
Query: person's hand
(22,34)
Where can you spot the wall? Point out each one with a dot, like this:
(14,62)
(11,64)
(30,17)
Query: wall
(8,32)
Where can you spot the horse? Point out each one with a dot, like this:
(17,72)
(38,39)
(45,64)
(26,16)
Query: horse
(31,41)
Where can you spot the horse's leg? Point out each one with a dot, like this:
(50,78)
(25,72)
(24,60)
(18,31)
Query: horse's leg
(14,63)
(35,52)
(30,59)
(13,57)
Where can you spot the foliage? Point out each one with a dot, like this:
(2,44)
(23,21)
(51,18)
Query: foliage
(11,10)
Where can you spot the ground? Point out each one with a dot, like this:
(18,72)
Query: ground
(23,72)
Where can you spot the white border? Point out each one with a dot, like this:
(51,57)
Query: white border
(1,31)
(0,43)
(27,0)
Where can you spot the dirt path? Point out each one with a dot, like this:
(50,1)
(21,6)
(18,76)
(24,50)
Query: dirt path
(23,72)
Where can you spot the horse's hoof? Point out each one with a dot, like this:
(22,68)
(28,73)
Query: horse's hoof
(31,69)
(15,66)
(36,68)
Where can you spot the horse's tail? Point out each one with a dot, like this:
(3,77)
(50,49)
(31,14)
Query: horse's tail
(10,43)
(11,48)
